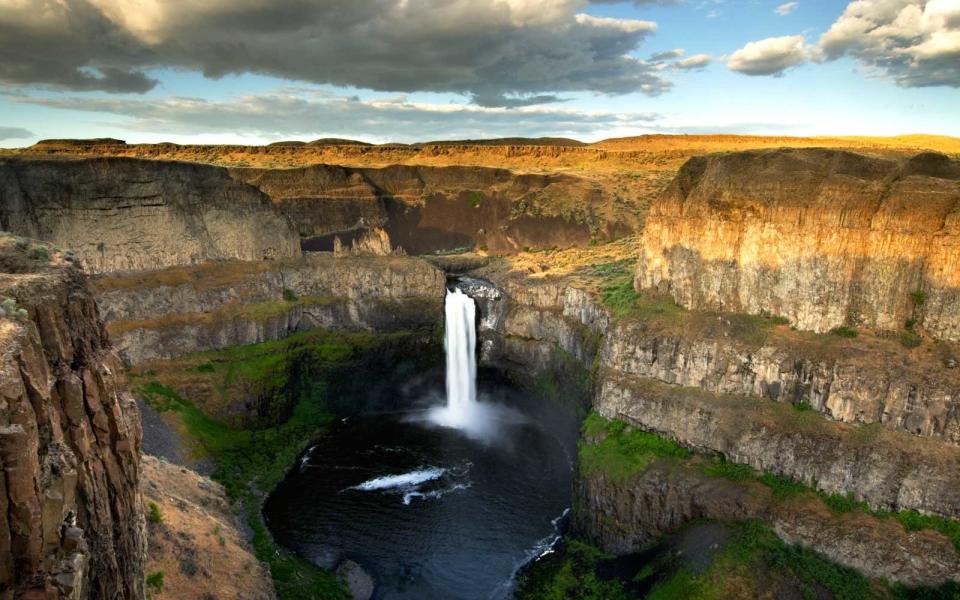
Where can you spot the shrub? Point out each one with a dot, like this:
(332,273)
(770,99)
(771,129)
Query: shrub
(153,513)
(475,199)
(910,339)
(843,503)
(919,297)
(289,295)
(39,253)
(22,244)
(844,331)
(909,323)
(155,581)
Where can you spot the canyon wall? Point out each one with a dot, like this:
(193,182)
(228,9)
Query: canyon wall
(122,214)
(177,311)
(71,515)
(747,400)
(426,209)
(825,238)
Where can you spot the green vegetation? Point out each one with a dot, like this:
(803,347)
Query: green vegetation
(289,295)
(783,487)
(755,560)
(155,582)
(844,331)
(910,338)
(153,513)
(621,451)
(919,298)
(726,469)
(309,370)
(476,198)
(570,576)
(38,253)
(619,295)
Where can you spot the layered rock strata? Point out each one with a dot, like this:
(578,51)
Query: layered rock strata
(425,209)
(122,214)
(71,515)
(626,516)
(825,238)
(178,311)
(722,395)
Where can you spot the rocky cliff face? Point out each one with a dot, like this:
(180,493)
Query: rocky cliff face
(719,394)
(182,310)
(71,516)
(124,214)
(823,237)
(425,209)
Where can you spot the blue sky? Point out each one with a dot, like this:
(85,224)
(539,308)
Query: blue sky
(485,69)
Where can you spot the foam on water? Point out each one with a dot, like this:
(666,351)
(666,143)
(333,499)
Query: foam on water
(405,480)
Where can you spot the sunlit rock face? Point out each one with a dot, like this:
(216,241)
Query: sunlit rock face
(823,237)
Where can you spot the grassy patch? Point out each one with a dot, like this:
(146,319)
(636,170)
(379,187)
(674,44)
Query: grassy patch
(571,576)
(621,451)
(844,332)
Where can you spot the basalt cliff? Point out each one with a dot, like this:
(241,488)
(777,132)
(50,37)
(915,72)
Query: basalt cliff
(824,238)
(71,516)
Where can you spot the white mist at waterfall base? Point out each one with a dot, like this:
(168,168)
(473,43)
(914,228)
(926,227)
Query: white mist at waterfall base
(463,411)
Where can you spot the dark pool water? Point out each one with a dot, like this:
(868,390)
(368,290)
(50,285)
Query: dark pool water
(431,512)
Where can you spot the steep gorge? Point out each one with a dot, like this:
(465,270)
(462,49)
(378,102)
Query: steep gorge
(818,237)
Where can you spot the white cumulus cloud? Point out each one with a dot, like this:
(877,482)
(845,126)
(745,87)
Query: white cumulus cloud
(770,56)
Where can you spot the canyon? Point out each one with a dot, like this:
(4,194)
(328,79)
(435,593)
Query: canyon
(786,316)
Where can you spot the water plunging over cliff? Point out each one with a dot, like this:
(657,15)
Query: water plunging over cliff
(460,342)
(482,420)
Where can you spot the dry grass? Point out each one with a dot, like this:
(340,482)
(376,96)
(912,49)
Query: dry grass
(642,153)
(197,545)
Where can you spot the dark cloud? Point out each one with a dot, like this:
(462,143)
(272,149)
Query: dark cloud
(499,52)
(302,113)
(14,133)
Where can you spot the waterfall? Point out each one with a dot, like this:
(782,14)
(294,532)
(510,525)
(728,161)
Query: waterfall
(460,342)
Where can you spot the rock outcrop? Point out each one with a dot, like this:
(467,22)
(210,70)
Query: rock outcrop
(624,517)
(123,214)
(71,517)
(178,311)
(825,238)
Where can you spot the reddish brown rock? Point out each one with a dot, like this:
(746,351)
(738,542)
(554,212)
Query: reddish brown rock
(71,517)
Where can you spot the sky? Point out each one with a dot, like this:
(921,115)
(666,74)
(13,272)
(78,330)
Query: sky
(257,71)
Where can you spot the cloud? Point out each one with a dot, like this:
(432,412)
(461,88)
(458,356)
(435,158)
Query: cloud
(771,56)
(498,52)
(667,55)
(786,8)
(294,112)
(14,133)
(914,42)
(697,61)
